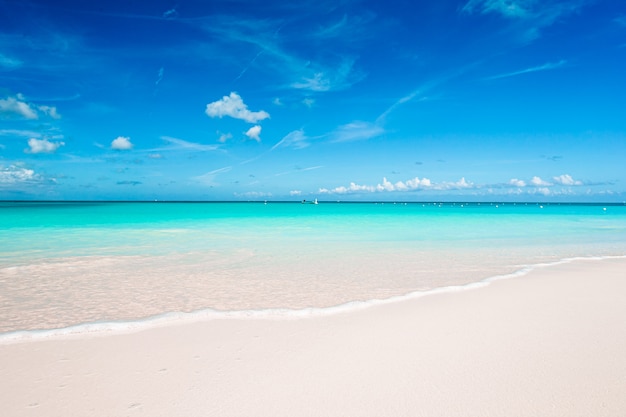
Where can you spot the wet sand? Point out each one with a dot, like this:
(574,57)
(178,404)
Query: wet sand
(550,343)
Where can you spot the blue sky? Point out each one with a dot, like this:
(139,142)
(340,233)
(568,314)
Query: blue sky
(478,100)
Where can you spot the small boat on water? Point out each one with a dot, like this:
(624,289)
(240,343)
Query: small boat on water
(309,202)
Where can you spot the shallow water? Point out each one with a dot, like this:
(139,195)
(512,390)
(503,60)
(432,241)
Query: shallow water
(62,264)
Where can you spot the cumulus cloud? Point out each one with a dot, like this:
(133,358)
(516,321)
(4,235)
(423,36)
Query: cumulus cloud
(254,133)
(15,106)
(517,183)
(121,143)
(15,174)
(50,111)
(42,146)
(233,106)
(566,179)
(538,182)
(386,186)
(18,107)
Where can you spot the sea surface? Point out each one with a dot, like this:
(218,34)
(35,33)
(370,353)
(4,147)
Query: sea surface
(83,265)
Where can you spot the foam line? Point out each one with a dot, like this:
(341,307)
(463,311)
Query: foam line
(170,318)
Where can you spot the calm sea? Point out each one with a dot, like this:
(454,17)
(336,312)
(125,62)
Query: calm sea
(66,264)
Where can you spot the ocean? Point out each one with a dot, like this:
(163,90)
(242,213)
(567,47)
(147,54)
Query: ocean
(72,266)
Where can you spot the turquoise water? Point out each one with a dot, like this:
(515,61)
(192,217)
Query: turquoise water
(62,264)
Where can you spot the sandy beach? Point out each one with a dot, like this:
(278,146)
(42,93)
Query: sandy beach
(550,343)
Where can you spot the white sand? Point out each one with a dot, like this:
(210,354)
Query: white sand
(552,343)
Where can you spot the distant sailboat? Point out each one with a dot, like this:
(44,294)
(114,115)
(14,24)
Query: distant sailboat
(309,202)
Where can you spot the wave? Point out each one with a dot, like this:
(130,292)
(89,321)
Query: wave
(170,318)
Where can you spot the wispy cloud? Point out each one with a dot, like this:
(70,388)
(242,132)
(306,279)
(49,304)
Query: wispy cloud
(20,133)
(233,106)
(357,130)
(337,78)
(329,73)
(9,63)
(209,177)
(545,67)
(507,8)
(528,16)
(180,144)
(296,139)
(297,170)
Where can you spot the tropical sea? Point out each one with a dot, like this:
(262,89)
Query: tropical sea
(80,266)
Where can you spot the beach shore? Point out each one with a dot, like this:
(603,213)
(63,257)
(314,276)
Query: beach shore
(549,343)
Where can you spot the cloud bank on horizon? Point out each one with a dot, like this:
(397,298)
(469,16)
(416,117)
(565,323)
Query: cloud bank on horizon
(359,100)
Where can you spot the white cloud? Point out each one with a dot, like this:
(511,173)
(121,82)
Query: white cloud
(170,14)
(254,133)
(50,111)
(545,67)
(22,133)
(356,130)
(254,194)
(386,186)
(42,146)
(508,8)
(330,79)
(277,101)
(8,62)
(209,177)
(15,174)
(538,182)
(309,102)
(295,192)
(233,106)
(295,139)
(18,107)
(224,137)
(462,183)
(183,144)
(121,143)
(566,179)
(15,106)
(517,183)
(529,16)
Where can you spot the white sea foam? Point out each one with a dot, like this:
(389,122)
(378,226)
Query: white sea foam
(98,329)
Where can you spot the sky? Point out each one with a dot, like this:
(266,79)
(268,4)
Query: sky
(340,100)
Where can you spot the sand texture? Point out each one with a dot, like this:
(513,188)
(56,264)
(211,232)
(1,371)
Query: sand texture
(551,343)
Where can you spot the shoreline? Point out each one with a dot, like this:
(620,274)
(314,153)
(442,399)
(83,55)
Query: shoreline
(550,343)
(166,319)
